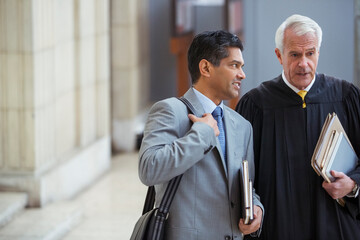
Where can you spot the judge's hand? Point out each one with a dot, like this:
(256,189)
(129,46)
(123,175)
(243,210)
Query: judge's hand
(255,224)
(208,119)
(342,185)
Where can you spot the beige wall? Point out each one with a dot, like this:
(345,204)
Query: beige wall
(54,96)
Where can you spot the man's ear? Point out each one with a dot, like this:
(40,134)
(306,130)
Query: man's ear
(278,55)
(204,67)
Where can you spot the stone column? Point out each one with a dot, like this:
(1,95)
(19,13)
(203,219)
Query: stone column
(130,73)
(54,96)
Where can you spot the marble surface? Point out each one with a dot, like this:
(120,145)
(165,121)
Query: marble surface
(106,210)
(11,204)
(113,204)
(50,223)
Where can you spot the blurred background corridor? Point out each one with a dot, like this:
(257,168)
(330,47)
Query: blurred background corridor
(77,78)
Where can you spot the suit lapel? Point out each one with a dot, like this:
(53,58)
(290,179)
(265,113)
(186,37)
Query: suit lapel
(230,126)
(190,95)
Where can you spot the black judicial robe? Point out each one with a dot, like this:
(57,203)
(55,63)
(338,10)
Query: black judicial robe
(285,135)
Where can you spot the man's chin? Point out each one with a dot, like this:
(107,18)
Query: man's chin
(236,94)
(232,96)
(302,83)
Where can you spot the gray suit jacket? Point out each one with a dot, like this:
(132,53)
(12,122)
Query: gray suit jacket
(207,203)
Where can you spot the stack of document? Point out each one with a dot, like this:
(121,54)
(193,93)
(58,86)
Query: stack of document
(247,194)
(333,150)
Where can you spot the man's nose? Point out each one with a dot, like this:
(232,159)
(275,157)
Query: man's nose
(303,62)
(241,74)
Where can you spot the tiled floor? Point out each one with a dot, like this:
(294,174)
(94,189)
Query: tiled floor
(113,204)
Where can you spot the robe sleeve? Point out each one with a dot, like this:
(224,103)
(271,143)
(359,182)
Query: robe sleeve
(352,106)
(246,107)
(251,112)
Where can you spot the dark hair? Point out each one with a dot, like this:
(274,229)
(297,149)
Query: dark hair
(212,46)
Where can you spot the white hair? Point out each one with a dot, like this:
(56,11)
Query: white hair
(301,25)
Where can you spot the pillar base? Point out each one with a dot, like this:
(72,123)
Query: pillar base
(64,180)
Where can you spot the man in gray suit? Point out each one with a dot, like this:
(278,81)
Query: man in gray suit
(207,204)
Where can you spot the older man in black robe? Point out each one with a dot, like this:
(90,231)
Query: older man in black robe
(299,204)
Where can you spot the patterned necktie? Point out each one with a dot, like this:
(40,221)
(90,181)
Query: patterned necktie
(218,115)
(302,94)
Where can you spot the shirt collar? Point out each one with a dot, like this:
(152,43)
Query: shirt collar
(208,105)
(295,89)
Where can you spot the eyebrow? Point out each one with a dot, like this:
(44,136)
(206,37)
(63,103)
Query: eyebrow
(238,62)
(306,50)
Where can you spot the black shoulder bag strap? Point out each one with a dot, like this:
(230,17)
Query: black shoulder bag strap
(170,189)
